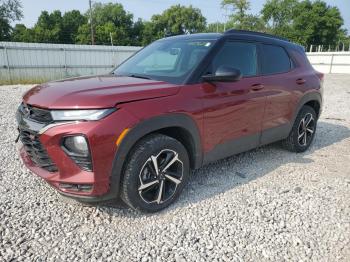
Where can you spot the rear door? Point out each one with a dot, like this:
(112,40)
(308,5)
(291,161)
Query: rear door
(279,84)
(233,111)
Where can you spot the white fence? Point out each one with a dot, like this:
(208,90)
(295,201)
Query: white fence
(35,63)
(330,62)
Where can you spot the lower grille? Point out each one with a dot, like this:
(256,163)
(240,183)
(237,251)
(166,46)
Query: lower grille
(36,151)
(84,162)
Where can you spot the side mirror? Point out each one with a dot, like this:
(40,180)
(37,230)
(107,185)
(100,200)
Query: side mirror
(224,74)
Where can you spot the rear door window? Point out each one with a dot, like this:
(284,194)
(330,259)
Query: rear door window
(275,60)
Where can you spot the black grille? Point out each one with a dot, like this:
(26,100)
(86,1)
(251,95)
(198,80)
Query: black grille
(36,151)
(35,113)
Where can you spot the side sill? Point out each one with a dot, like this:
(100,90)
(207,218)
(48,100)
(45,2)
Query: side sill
(232,147)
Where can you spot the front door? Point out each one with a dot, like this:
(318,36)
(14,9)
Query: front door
(233,111)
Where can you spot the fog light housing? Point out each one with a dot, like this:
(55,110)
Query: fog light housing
(77,148)
(77,145)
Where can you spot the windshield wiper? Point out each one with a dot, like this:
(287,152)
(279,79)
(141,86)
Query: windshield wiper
(139,76)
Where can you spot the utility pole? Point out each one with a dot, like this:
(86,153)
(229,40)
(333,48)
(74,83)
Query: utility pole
(110,35)
(226,17)
(91,25)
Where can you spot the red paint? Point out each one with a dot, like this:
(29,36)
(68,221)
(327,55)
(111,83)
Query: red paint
(95,92)
(222,112)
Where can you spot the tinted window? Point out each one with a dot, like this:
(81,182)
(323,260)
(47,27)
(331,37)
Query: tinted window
(238,55)
(274,60)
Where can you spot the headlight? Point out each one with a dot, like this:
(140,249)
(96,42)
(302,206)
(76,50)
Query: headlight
(67,115)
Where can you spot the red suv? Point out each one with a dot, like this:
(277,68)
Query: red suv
(176,105)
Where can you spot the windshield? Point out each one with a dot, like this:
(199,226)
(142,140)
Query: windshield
(167,60)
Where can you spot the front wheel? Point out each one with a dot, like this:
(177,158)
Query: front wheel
(155,174)
(303,131)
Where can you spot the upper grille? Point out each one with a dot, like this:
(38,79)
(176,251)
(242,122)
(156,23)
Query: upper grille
(35,113)
(36,151)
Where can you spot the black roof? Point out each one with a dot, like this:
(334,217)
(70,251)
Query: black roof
(207,36)
(246,32)
(241,34)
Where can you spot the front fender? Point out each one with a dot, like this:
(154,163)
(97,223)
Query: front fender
(149,126)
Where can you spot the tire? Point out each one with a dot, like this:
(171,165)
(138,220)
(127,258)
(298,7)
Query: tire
(141,181)
(296,142)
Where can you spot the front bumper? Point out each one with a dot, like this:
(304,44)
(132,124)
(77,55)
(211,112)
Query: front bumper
(101,135)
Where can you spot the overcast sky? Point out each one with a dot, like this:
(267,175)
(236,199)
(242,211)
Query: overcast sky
(144,9)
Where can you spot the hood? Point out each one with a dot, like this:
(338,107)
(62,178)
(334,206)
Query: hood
(96,92)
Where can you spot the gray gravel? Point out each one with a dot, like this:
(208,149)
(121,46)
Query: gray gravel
(264,205)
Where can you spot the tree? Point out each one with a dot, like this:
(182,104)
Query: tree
(278,14)
(109,20)
(21,33)
(149,33)
(178,20)
(48,28)
(137,33)
(252,23)
(240,8)
(10,10)
(71,21)
(240,19)
(215,28)
(303,22)
(317,23)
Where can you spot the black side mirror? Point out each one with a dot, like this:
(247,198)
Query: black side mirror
(224,74)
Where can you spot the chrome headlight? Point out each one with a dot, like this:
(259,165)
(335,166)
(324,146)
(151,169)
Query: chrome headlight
(74,115)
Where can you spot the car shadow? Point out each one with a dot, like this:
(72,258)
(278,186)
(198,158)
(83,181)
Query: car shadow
(223,175)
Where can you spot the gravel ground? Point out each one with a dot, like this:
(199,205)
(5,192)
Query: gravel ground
(263,205)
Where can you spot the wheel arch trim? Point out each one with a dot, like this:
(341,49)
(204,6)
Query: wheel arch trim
(312,96)
(148,126)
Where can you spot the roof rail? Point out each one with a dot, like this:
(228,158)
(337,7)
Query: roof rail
(232,31)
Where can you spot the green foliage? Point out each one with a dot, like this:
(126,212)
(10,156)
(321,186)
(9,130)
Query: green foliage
(21,33)
(48,29)
(316,22)
(10,10)
(240,9)
(83,35)
(304,22)
(108,20)
(178,20)
(240,19)
(278,14)
(71,21)
(215,28)
(51,28)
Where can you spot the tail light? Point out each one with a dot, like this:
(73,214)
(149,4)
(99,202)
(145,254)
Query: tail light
(320,76)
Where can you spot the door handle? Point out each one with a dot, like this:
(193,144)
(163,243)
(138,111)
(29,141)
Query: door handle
(257,87)
(300,81)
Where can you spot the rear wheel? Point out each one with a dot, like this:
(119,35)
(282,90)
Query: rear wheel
(303,131)
(155,174)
